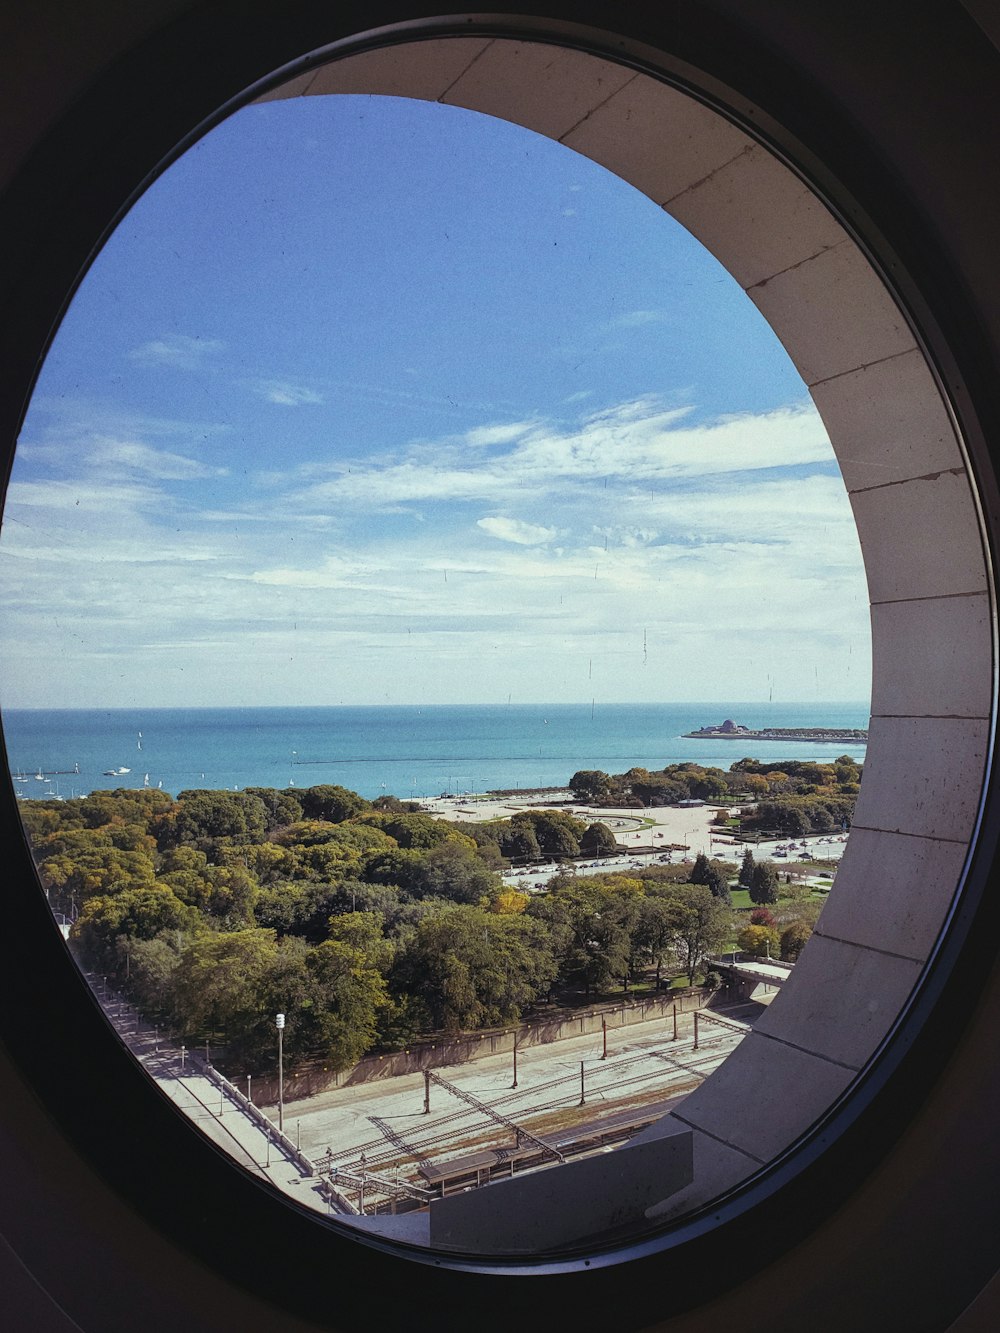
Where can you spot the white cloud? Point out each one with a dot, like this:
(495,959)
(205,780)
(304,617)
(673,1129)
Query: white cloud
(285,393)
(131,456)
(89,496)
(177,351)
(633,518)
(513,530)
(486,435)
(638,443)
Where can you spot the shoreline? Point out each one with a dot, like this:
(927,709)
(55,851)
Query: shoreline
(809,735)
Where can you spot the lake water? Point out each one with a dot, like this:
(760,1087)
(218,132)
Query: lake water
(406,751)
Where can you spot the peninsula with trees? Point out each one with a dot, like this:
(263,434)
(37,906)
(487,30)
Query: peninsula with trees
(736,731)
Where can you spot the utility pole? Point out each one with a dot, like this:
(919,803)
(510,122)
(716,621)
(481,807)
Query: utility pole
(583,1099)
(427,1092)
(604,1037)
(514,1084)
(279,1023)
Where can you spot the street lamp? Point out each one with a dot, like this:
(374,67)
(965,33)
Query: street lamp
(279,1023)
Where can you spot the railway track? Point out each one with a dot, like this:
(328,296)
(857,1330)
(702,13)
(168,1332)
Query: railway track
(444,1134)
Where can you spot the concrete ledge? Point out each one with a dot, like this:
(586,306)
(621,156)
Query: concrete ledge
(923,776)
(920,538)
(554,1207)
(927,655)
(548,88)
(890,891)
(780,220)
(690,140)
(888,421)
(839,1002)
(764,1096)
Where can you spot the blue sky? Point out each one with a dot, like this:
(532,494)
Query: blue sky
(369,400)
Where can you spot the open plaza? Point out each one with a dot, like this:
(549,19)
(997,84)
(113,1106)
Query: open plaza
(654,835)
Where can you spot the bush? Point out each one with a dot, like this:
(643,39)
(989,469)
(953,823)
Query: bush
(793,940)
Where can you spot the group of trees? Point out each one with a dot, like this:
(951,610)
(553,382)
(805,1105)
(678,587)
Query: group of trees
(790,798)
(367,923)
(535,835)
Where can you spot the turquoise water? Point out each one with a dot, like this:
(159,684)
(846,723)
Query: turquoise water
(408,751)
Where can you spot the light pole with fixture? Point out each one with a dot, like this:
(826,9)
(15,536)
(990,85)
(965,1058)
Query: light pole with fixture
(279,1023)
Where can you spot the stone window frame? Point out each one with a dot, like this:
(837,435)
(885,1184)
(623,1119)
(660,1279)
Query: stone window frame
(912,725)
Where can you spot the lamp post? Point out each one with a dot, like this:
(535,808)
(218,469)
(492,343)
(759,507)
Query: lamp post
(279,1023)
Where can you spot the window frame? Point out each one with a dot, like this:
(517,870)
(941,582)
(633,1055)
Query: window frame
(56,1033)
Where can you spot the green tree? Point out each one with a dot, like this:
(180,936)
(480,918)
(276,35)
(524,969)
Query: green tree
(232,894)
(598,840)
(591,938)
(558,833)
(518,843)
(590,785)
(700,869)
(746,868)
(660,919)
(203,818)
(704,926)
(124,807)
(718,885)
(761,941)
(69,880)
(218,988)
(452,870)
(417,831)
(332,803)
(281,806)
(793,940)
(764,883)
(140,914)
(468,968)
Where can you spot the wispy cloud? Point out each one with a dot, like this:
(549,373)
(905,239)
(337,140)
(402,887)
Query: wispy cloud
(89,496)
(506,434)
(131,456)
(636,444)
(638,319)
(178,351)
(513,530)
(546,546)
(286,393)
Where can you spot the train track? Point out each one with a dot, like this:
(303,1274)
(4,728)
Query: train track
(443,1134)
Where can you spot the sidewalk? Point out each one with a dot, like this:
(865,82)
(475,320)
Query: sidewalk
(181,1076)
